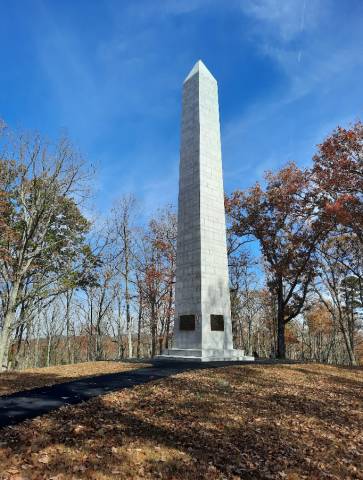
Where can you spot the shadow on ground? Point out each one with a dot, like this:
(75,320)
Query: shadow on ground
(30,403)
(19,381)
(16,381)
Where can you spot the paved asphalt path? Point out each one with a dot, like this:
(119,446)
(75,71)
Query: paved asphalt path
(20,406)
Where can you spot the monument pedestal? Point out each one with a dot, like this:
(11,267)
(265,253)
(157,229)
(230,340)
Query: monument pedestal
(206,355)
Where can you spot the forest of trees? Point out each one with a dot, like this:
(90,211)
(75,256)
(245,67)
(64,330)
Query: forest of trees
(74,289)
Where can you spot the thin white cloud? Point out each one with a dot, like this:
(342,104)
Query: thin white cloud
(283,19)
(315,68)
(285,31)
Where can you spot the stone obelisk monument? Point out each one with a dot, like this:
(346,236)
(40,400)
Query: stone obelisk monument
(202,330)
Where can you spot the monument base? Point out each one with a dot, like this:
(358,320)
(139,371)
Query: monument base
(204,355)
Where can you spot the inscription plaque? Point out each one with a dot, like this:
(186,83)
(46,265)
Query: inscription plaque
(217,323)
(187,322)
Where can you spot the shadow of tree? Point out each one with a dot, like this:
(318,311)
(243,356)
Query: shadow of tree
(11,382)
(17,381)
(351,387)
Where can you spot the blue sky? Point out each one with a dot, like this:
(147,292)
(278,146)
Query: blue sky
(110,73)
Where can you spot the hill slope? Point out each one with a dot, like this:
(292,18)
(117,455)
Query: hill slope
(250,422)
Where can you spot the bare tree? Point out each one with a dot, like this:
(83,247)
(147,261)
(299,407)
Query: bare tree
(123,230)
(41,222)
(336,293)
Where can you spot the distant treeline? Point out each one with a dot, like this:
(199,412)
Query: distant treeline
(73,290)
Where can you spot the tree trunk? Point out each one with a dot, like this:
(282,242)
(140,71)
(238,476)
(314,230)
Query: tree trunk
(36,352)
(249,323)
(168,321)
(153,331)
(281,347)
(139,328)
(349,347)
(68,325)
(48,349)
(4,339)
(99,349)
(19,339)
(127,294)
(90,337)
(7,325)
(129,337)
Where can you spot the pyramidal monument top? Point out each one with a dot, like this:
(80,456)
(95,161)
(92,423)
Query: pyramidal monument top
(199,68)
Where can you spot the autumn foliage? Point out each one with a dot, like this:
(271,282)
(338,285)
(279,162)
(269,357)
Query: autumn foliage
(293,215)
(281,217)
(338,174)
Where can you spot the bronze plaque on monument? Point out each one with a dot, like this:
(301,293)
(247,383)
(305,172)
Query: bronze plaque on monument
(217,323)
(187,322)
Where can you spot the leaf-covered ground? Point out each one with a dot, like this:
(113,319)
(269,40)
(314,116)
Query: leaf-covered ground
(241,422)
(17,381)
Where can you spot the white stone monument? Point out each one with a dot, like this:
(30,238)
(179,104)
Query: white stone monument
(202,330)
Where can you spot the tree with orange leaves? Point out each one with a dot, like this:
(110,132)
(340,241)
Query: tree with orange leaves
(282,218)
(156,272)
(338,177)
